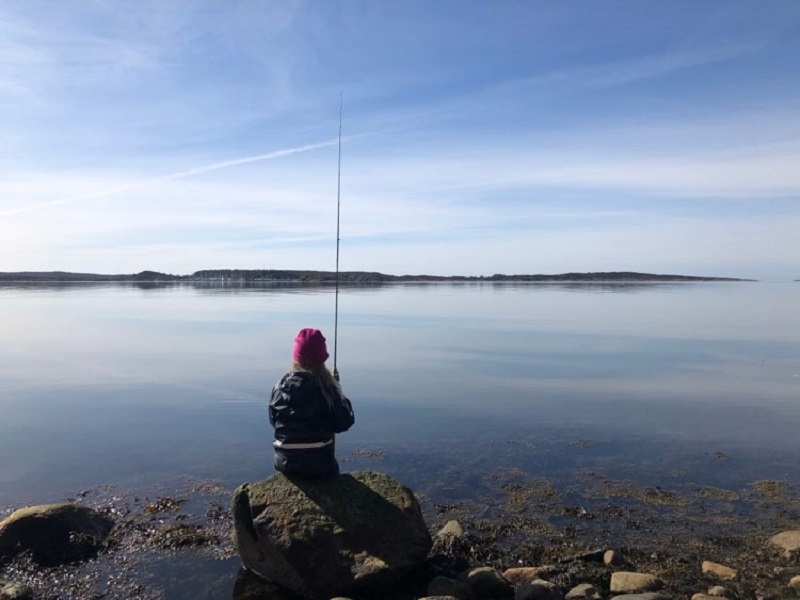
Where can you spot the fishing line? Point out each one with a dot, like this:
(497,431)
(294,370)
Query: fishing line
(338,210)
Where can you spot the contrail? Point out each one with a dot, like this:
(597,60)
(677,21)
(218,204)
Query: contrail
(171,177)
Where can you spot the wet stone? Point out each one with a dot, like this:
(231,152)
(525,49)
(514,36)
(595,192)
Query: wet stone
(539,589)
(487,582)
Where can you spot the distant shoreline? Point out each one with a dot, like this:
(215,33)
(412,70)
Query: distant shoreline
(346,277)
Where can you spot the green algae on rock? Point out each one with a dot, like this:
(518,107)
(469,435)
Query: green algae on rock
(54,533)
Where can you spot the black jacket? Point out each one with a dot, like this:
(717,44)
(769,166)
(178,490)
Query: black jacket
(305,424)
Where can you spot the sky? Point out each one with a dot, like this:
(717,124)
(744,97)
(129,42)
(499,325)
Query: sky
(487,137)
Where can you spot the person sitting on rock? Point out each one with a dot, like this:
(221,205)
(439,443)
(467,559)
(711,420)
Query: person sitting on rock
(307,409)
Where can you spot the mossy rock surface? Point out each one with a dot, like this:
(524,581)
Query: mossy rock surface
(319,538)
(54,533)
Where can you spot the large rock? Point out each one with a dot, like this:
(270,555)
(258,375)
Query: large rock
(54,533)
(319,538)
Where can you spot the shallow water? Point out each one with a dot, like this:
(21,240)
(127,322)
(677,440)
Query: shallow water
(671,385)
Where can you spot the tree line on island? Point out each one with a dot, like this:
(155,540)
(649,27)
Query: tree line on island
(329,277)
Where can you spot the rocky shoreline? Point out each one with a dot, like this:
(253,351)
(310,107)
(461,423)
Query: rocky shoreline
(541,546)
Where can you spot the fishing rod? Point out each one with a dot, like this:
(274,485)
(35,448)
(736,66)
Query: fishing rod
(338,210)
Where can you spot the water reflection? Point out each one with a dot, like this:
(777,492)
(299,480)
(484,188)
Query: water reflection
(260,287)
(104,383)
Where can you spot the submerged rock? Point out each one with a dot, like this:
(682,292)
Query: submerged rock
(322,537)
(54,533)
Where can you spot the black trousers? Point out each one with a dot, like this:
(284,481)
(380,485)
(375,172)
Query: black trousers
(312,463)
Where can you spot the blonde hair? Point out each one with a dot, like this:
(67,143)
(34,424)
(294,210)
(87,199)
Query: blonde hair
(322,376)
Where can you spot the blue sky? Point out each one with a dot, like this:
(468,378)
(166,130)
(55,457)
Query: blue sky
(478,137)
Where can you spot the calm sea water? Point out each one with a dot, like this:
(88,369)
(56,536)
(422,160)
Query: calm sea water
(136,386)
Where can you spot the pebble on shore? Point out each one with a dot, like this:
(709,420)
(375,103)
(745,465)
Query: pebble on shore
(719,570)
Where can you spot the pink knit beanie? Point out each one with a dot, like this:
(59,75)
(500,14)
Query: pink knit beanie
(309,347)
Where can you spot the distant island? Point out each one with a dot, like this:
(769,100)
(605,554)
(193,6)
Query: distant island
(345,277)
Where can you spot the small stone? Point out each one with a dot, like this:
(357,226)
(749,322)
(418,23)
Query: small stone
(645,596)
(583,591)
(519,575)
(438,598)
(630,583)
(538,589)
(487,582)
(451,529)
(444,586)
(789,541)
(704,597)
(612,558)
(719,570)
(717,590)
(795,582)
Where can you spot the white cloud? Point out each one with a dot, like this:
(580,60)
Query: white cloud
(142,137)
